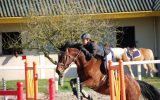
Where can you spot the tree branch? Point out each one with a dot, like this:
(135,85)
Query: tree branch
(47,56)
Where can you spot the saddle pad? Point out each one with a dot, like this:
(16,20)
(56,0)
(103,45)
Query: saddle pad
(136,53)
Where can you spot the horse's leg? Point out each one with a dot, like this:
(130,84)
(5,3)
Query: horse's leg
(146,69)
(130,70)
(151,69)
(72,84)
(84,93)
(87,83)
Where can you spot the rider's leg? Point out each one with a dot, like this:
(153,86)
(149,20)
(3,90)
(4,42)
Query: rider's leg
(107,58)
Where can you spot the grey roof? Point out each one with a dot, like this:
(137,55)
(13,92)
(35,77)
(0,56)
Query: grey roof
(18,8)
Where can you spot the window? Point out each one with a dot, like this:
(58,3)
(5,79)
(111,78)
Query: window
(126,37)
(11,43)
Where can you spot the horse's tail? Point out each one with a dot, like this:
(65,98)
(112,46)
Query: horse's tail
(152,58)
(154,68)
(148,91)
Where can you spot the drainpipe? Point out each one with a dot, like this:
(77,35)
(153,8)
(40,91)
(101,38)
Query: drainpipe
(155,31)
(156,53)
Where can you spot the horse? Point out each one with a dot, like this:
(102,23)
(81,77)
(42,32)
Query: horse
(119,54)
(144,54)
(91,76)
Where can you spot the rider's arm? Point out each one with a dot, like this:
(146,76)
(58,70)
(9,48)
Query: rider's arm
(91,52)
(94,48)
(87,53)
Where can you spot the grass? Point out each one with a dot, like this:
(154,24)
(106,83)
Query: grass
(43,84)
(154,81)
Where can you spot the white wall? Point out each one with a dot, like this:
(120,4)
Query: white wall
(12,61)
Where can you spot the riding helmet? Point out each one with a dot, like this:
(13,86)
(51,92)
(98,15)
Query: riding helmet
(85,36)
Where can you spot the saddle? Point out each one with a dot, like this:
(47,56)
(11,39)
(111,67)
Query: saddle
(133,53)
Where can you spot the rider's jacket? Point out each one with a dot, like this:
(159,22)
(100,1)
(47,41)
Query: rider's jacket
(94,49)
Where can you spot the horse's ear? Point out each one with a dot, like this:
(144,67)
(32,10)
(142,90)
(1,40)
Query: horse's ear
(62,47)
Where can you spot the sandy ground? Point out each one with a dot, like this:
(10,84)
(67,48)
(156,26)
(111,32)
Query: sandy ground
(64,96)
(70,96)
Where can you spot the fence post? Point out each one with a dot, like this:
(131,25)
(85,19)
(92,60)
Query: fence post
(122,84)
(4,87)
(26,78)
(51,89)
(35,78)
(19,90)
(112,96)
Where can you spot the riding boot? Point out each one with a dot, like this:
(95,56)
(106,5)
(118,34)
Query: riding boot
(105,64)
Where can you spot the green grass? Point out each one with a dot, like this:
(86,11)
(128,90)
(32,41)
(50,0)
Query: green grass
(43,84)
(154,81)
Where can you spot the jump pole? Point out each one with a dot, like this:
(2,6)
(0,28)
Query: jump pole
(120,69)
(28,80)
(18,92)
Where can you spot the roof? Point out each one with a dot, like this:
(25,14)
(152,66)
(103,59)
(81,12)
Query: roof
(21,8)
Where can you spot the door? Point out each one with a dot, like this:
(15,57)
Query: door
(126,37)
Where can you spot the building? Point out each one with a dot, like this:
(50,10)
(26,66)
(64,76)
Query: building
(140,20)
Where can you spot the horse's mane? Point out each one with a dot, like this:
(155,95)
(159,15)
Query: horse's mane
(78,46)
(66,45)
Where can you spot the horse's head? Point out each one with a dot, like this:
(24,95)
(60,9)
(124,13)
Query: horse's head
(68,55)
(65,59)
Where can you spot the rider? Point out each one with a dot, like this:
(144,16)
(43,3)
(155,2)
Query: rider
(93,49)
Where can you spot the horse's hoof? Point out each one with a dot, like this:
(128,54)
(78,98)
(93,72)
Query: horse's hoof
(90,98)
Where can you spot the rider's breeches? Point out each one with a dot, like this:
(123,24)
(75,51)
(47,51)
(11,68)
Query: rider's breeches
(107,58)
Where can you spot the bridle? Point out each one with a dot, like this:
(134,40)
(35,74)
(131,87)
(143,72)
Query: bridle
(73,58)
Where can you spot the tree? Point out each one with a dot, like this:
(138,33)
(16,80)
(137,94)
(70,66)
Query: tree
(47,33)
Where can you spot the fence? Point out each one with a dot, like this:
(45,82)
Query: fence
(18,92)
(138,63)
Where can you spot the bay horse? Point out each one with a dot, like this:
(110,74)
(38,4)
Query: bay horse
(145,54)
(91,76)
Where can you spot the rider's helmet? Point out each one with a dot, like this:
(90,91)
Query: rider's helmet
(85,36)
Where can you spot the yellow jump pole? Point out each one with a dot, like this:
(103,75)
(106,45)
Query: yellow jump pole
(117,84)
(31,80)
